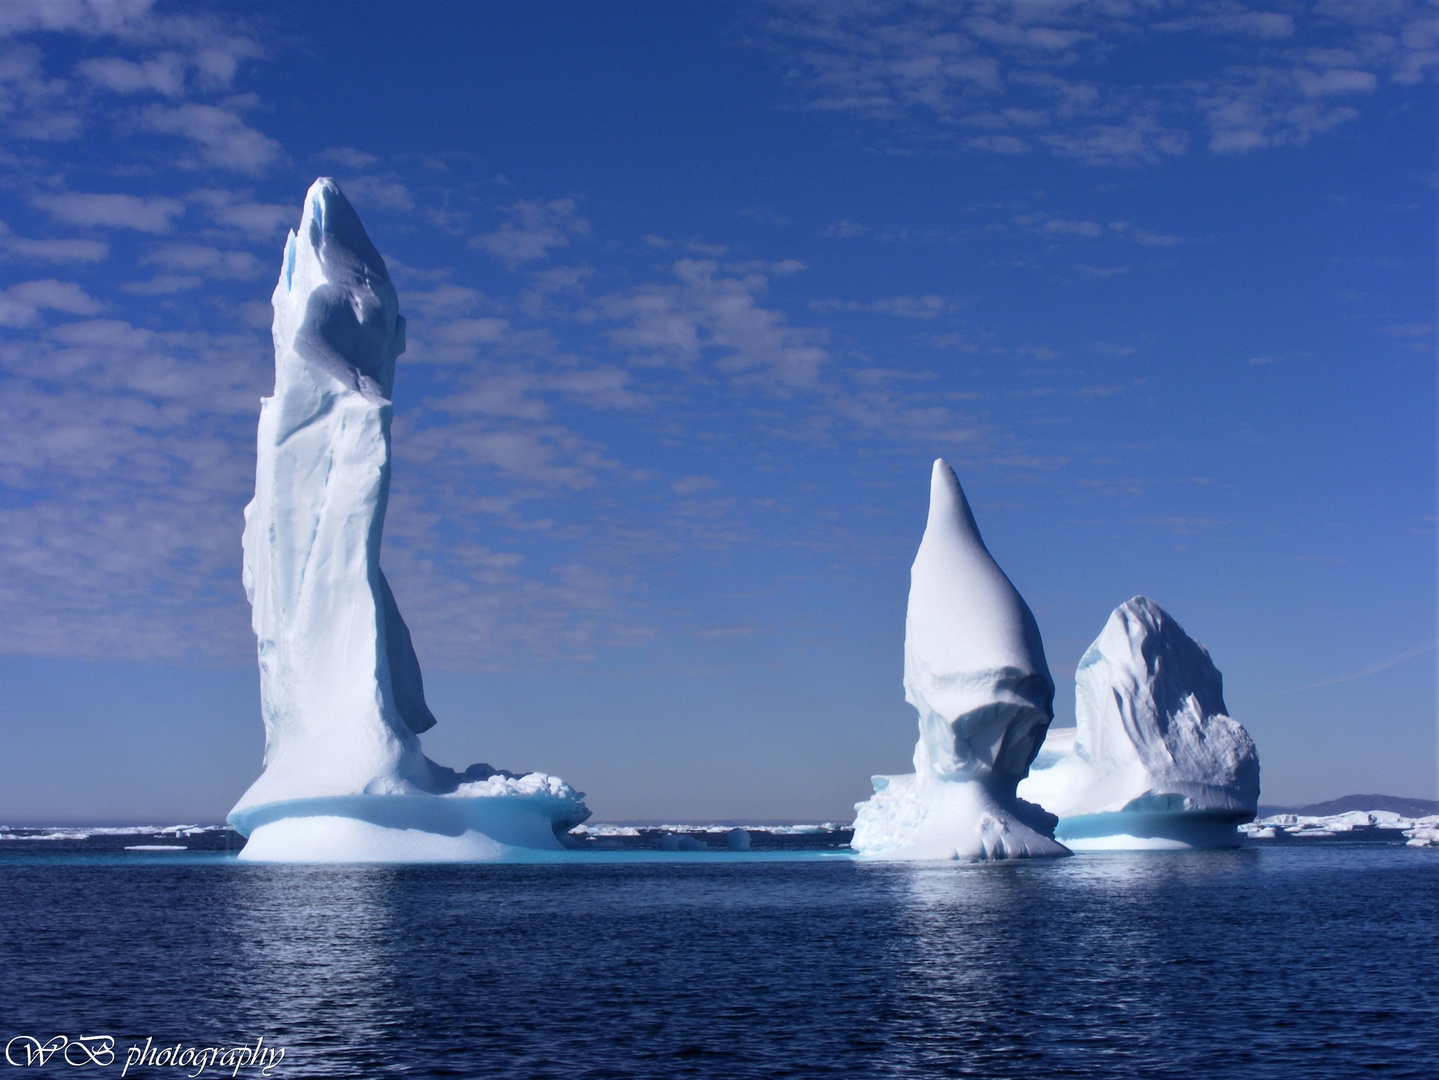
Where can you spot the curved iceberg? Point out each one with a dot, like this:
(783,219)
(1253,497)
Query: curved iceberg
(1154,760)
(340,686)
(974,669)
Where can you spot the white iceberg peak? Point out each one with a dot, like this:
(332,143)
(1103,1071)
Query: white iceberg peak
(336,311)
(974,670)
(340,685)
(974,663)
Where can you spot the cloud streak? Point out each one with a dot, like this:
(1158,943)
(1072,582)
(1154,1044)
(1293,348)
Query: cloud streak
(1373,669)
(151,215)
(1001,77)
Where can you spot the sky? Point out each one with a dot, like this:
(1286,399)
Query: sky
(695,295)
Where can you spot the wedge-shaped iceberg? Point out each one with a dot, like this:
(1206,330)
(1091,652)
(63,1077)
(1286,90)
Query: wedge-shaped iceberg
(340,686)
(974,669)
(1154,760)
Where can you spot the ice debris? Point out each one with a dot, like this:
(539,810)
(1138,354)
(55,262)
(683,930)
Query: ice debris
(1353,825)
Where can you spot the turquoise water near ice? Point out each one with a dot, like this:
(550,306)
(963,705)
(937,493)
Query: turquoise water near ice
(1295,960)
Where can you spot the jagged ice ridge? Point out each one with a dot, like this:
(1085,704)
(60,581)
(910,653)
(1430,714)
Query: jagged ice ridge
(1154,759)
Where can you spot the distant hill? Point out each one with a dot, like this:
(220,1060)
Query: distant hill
(1393,803)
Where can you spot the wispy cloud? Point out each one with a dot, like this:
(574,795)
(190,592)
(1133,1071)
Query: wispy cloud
(174,55)
(707,314)
(928,306)
(203,259)
(123,441)
(221,137)
(20,305)
(151,215)
(240,211)
(1373,669)
(1007,78)
(532,230)
(52,250)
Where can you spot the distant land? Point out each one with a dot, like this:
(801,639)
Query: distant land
(1396,804)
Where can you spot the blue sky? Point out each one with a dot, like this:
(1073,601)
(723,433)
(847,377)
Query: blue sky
(695,294)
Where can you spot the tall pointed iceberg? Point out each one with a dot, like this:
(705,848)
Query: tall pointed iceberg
(340,687)
(974,670)
(1154,760)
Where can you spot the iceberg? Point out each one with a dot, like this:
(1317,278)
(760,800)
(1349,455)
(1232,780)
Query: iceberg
(341,693)
(974,670)
(1154,761)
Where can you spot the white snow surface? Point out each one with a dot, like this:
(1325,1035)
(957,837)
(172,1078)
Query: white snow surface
(974,670)
(1154,748)
(1354,825)
(340,686)
(84,832)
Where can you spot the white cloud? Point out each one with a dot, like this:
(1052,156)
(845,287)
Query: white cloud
(239,210)
(533,230)
(164,285)
(32,105)
(55,251)
(349,157)
(171,54)
(710,315)
(369,191)
(152,215)
(693,485)
(84,16)
(443,300)
(1145,237)
(125,440)
(1015,77)
(224,140)
(206,42)
(163,74)
(20,305)
(546,455)
(209,261)
(928,306)
(1061,227)
(1100,271)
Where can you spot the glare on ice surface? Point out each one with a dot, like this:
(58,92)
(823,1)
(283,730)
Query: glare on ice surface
(974,670)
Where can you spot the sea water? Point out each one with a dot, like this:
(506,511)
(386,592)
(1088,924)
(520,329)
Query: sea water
(1292,961)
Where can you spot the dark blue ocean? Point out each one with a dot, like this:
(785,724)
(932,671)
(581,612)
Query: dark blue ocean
(1292,962)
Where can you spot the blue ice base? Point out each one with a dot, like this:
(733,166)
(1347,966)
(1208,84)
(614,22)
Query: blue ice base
(1124,829)
(400,828)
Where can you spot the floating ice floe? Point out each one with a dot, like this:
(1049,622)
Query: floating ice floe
(1354,825)
(85,832)
(974,669)
(1154,760)
(340,686)
(601,830)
